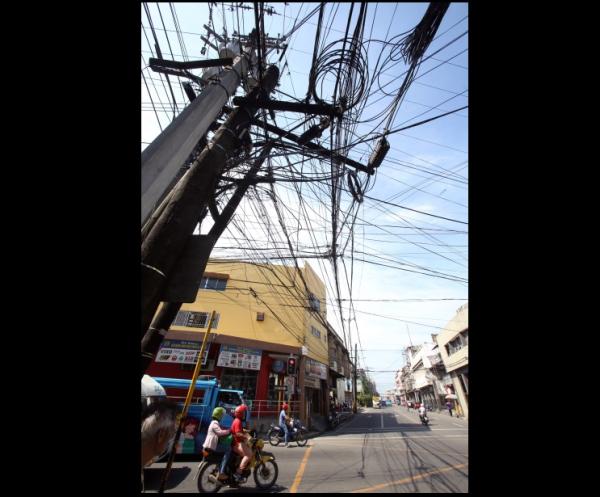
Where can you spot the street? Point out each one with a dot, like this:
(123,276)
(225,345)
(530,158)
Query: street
(378,450)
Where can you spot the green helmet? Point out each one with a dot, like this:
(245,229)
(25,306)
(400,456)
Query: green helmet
(218,413)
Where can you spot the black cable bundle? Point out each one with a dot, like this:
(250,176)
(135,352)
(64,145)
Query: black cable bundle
(346,65)
(416,43)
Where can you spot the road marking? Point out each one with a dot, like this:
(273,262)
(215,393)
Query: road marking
(409,479)
(354,440)
(382,420)
(456,424)
(300,473)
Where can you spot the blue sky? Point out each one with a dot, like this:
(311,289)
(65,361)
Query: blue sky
(426,170)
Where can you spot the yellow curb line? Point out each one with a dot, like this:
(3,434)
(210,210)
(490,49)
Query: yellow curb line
(408,480)
(300,472)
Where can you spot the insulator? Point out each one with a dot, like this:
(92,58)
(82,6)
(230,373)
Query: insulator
(379,153)
(313,132)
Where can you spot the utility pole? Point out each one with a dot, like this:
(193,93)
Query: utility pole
(159,327)
(354,407)
(162,159)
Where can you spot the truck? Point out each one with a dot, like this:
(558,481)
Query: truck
(207,395)
(376,400)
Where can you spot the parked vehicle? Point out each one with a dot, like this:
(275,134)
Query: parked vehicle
(262,465)
(208,394)
(275,435)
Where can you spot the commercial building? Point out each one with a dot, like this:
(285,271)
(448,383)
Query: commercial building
(453,345)
(264,314)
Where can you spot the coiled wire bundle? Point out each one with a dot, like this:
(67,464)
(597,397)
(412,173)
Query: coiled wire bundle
(347,62)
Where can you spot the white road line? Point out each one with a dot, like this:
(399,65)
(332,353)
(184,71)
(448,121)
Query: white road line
(395,429)
(353,440)
(382,420)
(456,424)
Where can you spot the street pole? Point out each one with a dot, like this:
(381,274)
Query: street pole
(162,159)
(354,407)
(168,236)
(186,406)
(156,333)
(163,320)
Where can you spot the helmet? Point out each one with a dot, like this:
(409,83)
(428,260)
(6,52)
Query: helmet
(218,413)
(285,407)
(240,411)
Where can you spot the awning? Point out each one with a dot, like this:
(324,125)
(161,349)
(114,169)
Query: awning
(451,396)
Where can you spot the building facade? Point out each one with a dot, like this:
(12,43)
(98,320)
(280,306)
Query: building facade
(264,314)
(340,370)
(453,345)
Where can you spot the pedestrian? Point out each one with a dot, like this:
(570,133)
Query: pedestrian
(283,423)
(449,407)
(159,424)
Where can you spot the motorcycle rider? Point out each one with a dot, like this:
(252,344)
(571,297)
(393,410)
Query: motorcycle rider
(422,412)
(215,431)
(240,437)
(283,423)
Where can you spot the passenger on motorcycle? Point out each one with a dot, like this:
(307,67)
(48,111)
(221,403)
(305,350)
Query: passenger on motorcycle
(283,423)
(239,440)
(212,439)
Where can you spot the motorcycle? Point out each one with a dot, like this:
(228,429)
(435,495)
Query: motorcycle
(262,465)
(424,419)
(332,420)
(297,434)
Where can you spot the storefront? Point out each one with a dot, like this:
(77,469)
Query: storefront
(315,391)
(240,368)
(257,368)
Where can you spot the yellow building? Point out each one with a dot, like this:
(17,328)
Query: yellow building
(264,315)
(454,348)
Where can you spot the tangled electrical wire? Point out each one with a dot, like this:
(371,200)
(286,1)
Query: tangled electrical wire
(343,64)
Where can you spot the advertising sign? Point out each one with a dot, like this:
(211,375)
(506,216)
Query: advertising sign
(180,352)
(232,356)
(315,369)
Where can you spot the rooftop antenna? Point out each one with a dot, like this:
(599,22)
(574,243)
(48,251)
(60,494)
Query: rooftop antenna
(409,339)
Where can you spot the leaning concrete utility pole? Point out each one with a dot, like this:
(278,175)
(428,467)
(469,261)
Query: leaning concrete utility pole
(199,247)
(162,159)
(169,235)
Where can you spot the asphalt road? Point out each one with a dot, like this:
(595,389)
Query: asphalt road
(379,450)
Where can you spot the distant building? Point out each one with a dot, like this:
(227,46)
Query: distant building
(453,345)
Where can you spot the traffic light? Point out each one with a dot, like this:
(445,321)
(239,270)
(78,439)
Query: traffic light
(291,365)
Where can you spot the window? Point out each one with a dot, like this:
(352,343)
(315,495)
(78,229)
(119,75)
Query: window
(194,319)
(213,284)
(314,302)
(315,332)
(454,345)
(465,337)
(240,379)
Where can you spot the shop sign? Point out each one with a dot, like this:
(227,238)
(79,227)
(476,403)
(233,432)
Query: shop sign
(310,382)
(316,369)
(232,356)
(180,352)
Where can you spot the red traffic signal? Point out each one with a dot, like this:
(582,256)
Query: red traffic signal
(291,365)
